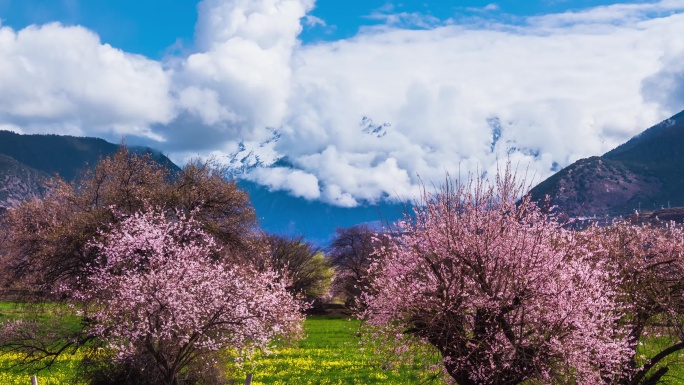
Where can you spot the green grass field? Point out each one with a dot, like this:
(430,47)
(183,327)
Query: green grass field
(329,354)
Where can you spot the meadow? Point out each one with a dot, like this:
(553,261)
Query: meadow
(330,354)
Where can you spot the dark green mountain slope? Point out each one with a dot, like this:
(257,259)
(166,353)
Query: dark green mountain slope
(27,162)
(63,155)
(34,158)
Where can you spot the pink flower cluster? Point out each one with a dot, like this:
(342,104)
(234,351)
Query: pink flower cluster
(155,288)
(500,288)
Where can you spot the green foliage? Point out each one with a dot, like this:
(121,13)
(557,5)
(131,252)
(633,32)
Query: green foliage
(325,273)
(304,265)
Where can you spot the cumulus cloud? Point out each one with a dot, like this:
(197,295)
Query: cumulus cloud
(63,79)
(366,118)
(666,87)
(299,183)
(244,58)
(559,93)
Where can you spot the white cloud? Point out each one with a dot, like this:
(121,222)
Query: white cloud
(245,48)
(406,19)
(630,13)
(362,175)
(299,183)
(666,87)
(560,94)
(312,21)
(62,79)
(491,7)
(205,103)
(553,89)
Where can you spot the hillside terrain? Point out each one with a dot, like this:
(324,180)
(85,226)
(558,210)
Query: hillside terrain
(63,155)
(27,162)
(645,173)
(19,182)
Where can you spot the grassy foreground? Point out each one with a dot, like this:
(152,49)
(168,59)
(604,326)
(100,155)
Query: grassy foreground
(61,373)
(330,354)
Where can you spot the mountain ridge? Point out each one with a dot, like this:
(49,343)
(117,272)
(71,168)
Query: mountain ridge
(644,173)
(277,211)
(19,182)
(64,154)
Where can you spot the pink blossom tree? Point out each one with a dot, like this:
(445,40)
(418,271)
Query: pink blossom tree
(647,264)
(499,288)
(154,291)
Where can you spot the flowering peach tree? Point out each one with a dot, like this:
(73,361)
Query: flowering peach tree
(499,288)
(647,263)
(155,291)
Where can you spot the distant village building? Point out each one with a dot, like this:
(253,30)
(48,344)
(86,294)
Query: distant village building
(662,216)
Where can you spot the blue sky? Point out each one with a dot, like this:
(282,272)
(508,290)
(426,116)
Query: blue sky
(346,101)
(155,28)
(147,27)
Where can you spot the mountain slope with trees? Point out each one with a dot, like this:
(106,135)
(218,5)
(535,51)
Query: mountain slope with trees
(28,163)
(64,155)
(277,211)
(19,182)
